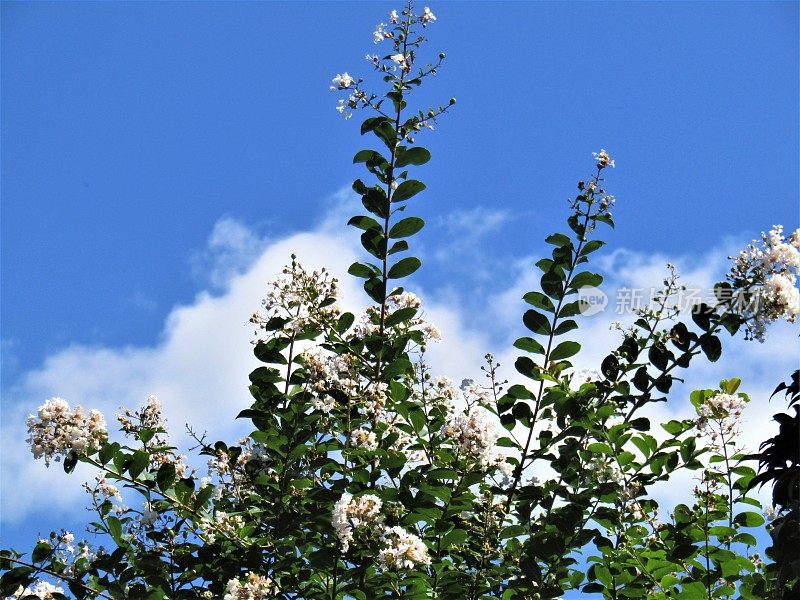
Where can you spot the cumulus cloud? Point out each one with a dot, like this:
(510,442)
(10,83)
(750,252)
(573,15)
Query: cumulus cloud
(199,365)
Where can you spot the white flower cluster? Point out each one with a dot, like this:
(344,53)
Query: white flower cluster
(56,430)
(474,434)
(427,16)
(402,550)
(324,404)
(300,297)
(369,323)
(223,525)
(41,589)
(351,513)
(255,587)
(342,82)
(326,371)
(771,267)
(724,409)
(603,159)
(363,438)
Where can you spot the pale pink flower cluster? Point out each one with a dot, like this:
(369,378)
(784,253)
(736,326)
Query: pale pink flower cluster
(603,159)
(57,430)
(474,434)
(41,589)
(402,550)
(770,268)
(351,513)
(255,587)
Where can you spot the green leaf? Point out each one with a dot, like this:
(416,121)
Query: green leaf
(565,350)
(42,551)
(536,322)
(406,227)
(114,528)
(558,239)
(413,156)
(552,284)
(711,346)
(107,452)
(361,270)
(400,315)
(165,476)
(529,344)
(585,279)
(345,322)
(364,156)
(591,246)
(749,519)
(600,448)
(539,300)
(372,123)
(454,538)
(407,190)
(565,326)
(139,463)
(404,267)
(364,222)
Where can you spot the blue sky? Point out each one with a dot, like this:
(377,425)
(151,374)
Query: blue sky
(133,133)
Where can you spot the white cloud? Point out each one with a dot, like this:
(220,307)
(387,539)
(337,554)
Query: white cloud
(200,364)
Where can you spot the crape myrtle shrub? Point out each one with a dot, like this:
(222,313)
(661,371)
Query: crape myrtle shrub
(367,475)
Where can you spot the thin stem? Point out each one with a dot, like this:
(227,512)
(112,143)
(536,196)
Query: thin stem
(58,575)
(550,338)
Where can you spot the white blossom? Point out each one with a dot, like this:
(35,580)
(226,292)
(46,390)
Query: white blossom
(363,438)
(342,82)
(324,404)
(42,589)
(474,434)
(764,278)
(380,33)
(427,16)
(255,587)
(603,159)
(402,550)
(351,513)
(57,430)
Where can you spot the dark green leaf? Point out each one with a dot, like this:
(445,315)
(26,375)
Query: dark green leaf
(406,227)
(529,344)
(413,156)
(407,190)
(138,463)
(404,267)
(565,350)
(364,222)
(536,322)
(165,476)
